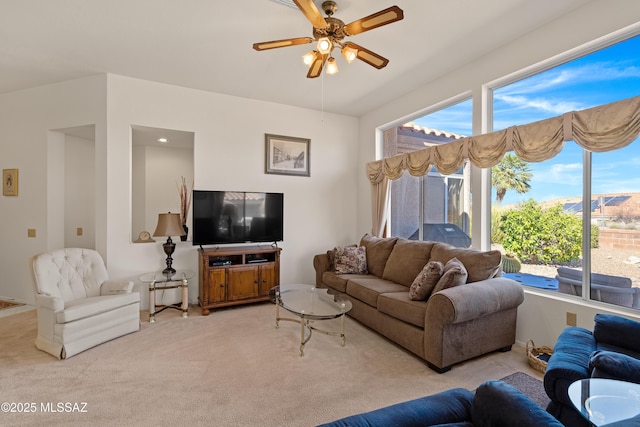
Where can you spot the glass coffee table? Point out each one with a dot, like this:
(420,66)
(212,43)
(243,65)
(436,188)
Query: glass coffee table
(310,304)
(604,401)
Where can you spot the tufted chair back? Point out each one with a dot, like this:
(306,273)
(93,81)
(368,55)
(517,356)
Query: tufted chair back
(69,273)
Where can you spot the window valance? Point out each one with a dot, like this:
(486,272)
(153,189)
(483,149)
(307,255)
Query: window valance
(604,128)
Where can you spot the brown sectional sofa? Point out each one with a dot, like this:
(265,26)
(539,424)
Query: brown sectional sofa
(452,325)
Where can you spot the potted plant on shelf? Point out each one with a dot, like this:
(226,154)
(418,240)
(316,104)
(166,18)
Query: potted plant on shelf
(185,204)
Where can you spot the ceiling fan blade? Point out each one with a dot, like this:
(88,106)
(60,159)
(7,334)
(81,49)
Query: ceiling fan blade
(312,13)
(315,69)
(384,17)
(281,43)
(368,56)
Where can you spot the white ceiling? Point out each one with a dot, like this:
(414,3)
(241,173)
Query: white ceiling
(207,45)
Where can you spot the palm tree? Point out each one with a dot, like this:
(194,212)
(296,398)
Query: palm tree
(512,173)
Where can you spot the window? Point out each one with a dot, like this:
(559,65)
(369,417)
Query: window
(434,206)
(599,189)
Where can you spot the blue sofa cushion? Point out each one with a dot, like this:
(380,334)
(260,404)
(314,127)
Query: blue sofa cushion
(495,404)
(617,366)
(450,408)
(613,333)
(498,404)
(568,363)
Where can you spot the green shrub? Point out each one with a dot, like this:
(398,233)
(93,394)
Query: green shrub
(497,235)
(595,236)
(538,235)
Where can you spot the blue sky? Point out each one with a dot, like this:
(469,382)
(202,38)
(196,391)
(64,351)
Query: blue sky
(608,75)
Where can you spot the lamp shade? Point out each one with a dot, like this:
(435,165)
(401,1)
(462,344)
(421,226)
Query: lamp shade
(332,67)
(169,225)
(324,45)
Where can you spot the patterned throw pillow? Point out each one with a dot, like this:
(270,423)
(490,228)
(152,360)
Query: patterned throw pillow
(331,253)
(455,274)
(351,260)
(425,281)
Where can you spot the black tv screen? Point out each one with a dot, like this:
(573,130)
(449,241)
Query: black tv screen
(237,217)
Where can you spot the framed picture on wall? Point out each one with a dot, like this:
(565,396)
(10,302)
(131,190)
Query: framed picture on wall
(286,155)
(9,182)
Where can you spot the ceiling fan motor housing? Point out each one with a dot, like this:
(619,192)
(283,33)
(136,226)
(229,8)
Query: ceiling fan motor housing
(335,30)
(329,7)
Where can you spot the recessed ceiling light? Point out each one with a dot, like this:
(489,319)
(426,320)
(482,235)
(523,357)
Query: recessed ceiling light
(163,140)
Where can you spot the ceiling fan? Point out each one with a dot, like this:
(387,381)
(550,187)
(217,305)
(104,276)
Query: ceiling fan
(329,33)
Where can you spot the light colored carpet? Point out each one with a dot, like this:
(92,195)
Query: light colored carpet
(232,368)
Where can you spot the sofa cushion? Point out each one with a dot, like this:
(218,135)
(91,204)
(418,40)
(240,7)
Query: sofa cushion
(614,331)
(369,288)
(351,260)
(339,281)
(87,307)
(613,365)
(378,251)
(451,407)
(480,265)
(407,259)
(455,274)
(400,306)
(498,403)
(425,281)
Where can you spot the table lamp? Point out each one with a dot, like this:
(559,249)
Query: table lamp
(169,225)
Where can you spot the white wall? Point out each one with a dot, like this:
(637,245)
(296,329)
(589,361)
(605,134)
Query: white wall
(229,155)
(26,118)
(79,197)
(160,170)
(539,318)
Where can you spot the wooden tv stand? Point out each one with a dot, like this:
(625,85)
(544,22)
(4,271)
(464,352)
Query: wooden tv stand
(237,275)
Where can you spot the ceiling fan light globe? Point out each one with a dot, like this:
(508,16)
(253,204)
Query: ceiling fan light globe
(309,57)
(332,67)
(324,45)
(349,53)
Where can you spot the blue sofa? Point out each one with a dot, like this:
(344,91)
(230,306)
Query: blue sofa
(612,350)
(494,404)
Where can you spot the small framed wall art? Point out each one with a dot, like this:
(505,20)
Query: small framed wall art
(9,182)
(286,155)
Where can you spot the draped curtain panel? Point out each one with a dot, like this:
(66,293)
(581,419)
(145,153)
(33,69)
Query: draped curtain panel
(379,206)
(600,129)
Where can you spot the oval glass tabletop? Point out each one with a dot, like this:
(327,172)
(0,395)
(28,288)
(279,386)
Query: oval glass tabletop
(307,301)
(603,401)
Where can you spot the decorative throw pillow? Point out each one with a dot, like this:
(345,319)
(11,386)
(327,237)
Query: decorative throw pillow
(455,274)
(331,253)
(351,260)
(425,281)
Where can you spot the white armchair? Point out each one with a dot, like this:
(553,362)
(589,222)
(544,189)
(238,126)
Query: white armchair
(78,307)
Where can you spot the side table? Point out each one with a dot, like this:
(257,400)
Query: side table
(602,401)
(159,282)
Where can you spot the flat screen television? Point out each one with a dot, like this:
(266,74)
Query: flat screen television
(221,217)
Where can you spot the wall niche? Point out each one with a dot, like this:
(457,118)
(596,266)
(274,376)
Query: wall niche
(159,160)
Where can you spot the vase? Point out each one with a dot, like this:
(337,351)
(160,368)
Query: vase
(186,232)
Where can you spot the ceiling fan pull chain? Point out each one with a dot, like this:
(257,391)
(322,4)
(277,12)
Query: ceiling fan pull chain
(322,97)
